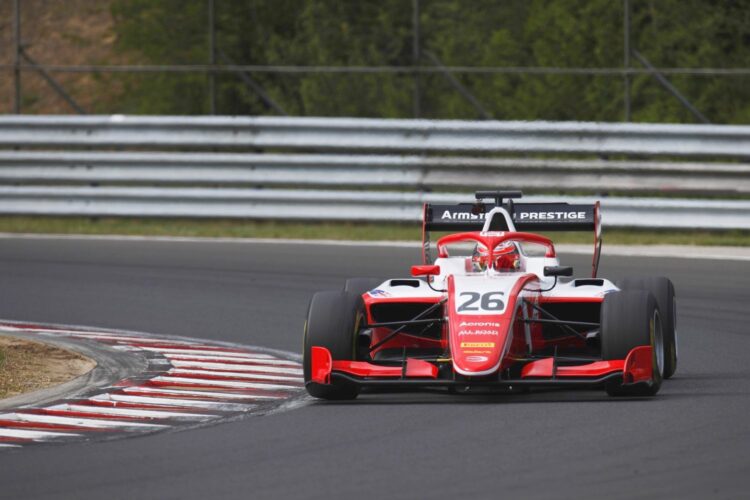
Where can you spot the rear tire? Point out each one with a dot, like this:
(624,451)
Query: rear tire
(333,320)
(359,286)
(630,319)
(663,290)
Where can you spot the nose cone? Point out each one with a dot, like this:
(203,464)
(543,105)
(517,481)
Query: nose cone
(477,345)
(479,316)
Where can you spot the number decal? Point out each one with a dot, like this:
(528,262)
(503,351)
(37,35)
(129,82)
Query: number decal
(467,306)
(490,301)
(492,304)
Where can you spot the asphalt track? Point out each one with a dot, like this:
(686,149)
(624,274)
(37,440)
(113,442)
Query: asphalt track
(691,441)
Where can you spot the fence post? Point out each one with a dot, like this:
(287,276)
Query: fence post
(17,56)
(211,57)
(626,55)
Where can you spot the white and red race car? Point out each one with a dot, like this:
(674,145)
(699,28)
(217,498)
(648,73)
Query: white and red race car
(495,309)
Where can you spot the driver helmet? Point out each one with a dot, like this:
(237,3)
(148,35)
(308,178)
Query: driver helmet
(505,254)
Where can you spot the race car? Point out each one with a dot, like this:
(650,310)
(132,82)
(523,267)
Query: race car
(495,311)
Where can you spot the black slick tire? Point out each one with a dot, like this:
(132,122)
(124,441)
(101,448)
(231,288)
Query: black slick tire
(629,319)
(663,291)
(333,320)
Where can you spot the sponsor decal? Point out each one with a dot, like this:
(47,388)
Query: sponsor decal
(479,324)
(477,344)
(554,216)
(476,359)
(476,332)
(379,293)
(448,215)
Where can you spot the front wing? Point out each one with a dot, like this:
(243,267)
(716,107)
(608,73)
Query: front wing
(635,369)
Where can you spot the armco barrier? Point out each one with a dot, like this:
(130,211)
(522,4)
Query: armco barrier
(200,168)
(357,134)
(290,204)
(307,168)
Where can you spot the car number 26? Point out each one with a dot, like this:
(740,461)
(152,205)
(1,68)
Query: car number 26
(489,301)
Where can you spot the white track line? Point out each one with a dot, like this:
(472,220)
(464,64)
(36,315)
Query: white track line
(209,352)
(93,423)
(178,403)
(224,383)
(188,239)
(35,329)
(227,359)
(234,367)
(35,435)
(236,375)
(667,251)
(128,412)
(123,338)
(125,347)
(661,251)
(140,389)
(8,445)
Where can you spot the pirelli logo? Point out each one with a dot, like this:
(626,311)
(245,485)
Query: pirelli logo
(469,345)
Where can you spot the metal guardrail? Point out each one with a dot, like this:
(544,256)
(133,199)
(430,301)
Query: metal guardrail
(291,204)
(96,168)
(357,134)
(372,170)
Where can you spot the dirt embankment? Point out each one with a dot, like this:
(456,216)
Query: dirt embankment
(64,32)
(27,366)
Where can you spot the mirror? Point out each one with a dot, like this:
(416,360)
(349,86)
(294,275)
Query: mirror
(427,270)
(558,271)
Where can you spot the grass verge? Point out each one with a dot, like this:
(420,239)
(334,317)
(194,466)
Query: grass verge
(326,230)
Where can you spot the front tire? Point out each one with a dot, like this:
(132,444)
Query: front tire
(630,319)
(333,320)
(663,291)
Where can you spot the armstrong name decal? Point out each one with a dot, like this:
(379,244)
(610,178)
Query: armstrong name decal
(448,215)
(476,332)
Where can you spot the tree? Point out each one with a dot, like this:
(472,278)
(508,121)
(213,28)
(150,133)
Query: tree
(511,33)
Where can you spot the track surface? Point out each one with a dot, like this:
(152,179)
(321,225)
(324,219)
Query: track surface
(693,440)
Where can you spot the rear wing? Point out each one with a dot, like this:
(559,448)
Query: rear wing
(530,217)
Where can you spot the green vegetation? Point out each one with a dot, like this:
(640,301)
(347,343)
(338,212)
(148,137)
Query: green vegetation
(473,33)
(564,33)
(335,231)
